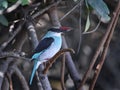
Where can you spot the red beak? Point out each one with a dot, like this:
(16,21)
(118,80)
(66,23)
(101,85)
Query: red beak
(64,28)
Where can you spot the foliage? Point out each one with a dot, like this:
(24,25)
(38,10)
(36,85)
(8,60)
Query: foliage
(101,9)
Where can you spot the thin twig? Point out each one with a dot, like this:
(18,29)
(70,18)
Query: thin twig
(100,47)
(45,9)
(71,10)
(14,55)
(63,73)
(10,80)
(80,27)
(53,59)
(100,64)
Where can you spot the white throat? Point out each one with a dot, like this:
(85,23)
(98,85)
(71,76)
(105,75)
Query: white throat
(55,33)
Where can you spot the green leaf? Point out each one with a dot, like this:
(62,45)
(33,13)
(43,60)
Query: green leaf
(87,26)
(101,9)
(3,4)
(3,20)
(25,2)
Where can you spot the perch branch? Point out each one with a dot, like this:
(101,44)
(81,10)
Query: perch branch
(53,59)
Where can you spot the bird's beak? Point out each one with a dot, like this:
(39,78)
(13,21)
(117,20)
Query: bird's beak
(65,29)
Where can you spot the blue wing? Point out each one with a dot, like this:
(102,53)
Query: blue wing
(44,44)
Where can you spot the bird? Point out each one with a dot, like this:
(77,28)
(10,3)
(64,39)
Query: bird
(48,46)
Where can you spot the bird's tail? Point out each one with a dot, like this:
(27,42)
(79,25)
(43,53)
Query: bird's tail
(33,71)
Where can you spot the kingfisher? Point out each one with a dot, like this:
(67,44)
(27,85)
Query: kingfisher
(49,45)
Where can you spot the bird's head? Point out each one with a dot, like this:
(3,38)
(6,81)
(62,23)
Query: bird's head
(60,29)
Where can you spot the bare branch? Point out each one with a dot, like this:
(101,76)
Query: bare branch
(3,68)
(13,54)
(32,34)
(5,84)
(69,12)
(14,70)
(45,9)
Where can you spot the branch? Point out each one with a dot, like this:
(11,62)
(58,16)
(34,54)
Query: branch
(10,81)
(32,34)
(5,84)
(14,70)
(63,72)
(20,40)
(104,53)
(58,54)
(45,9)
(4,45)
(69,12)
(3,68)
(99,49)
(13,54)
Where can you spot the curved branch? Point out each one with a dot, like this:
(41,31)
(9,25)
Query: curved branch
(3,68)
(14,70)
(53,59)
(5,84)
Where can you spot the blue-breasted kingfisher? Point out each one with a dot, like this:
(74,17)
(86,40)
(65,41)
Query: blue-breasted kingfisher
(49,45)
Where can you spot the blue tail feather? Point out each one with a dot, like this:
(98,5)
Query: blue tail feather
(33,71)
